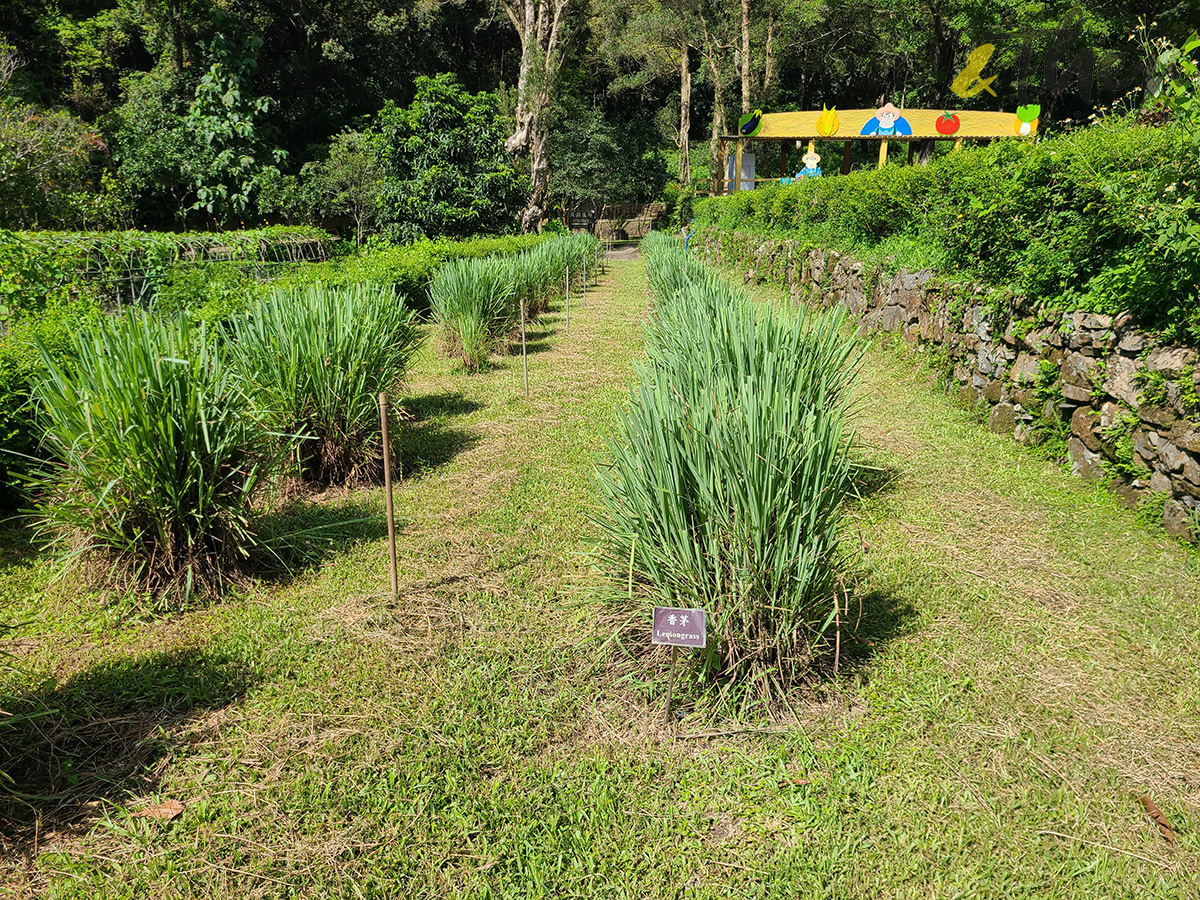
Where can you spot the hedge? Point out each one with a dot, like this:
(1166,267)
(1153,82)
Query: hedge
(1098,219)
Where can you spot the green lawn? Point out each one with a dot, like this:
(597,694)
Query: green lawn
(1024,666)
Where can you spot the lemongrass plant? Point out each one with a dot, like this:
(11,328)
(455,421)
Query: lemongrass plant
(730,466)
(160,457)
(316,359)
(477,302)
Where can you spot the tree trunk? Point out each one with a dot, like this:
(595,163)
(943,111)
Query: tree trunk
(177,33)
(769,65)
(745,56)
(716,149)
(539,26)
(539,164)
(685,115)
(945,42)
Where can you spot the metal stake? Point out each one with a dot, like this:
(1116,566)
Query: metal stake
(524,358)
(387,485)
(670,687)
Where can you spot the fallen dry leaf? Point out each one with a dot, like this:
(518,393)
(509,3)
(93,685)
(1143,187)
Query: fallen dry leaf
(164,812)
(1157,815)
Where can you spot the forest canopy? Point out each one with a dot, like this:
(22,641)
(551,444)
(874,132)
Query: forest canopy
(175,114)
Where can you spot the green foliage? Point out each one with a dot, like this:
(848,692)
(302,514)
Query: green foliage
(347,181)
(1067,221)
(50,170)
(408,269)
(599,156)
(729,469)
(209,292)
(52,284)
(445,171)
(1149,512)
(477,302)
(226,122)
(316,361)
(1122,460)
(151,143)
(160,458)
(1153,386)
(474,307)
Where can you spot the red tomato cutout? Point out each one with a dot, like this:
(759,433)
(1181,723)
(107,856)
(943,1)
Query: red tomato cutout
(947,123)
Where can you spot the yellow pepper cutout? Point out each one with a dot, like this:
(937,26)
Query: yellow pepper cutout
(828,123)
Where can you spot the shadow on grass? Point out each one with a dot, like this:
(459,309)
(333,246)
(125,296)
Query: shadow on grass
(101,736)
(446,403)
(874,619)
(309,531)
(869,478)
(17,544)
(429,441)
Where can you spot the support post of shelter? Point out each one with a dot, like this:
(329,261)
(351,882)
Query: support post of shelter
(846,157)
(911,147)
(882,154)
(737,169)
(783,160)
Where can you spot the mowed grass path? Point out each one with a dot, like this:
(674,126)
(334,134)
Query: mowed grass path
(1025,666)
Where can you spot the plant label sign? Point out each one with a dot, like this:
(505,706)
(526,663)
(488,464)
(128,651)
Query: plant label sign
(679,627)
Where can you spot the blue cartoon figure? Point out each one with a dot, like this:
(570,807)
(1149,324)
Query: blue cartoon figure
(888,121)
(810,170)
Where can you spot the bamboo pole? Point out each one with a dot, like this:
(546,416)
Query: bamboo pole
(524,358)
(387,486)
(882,154)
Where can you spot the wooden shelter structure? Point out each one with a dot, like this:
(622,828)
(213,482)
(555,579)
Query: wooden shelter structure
(849,125)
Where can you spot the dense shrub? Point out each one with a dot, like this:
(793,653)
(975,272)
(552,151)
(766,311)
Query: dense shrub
(159,457)
(119,267)
(316,360)
(1089,220)
(729,468)
(444,170)
(408,269)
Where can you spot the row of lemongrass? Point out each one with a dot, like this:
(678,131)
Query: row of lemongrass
(730,467)
(477,302)
(164,435)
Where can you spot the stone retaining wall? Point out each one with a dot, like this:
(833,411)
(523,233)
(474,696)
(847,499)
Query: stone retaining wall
(1128,407)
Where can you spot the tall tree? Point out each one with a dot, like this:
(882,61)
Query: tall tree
(542,28)
(745,56)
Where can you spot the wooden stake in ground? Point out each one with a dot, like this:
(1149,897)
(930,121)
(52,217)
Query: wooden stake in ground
(670,687)
(387,486)
(524,358)
(585,281)
(568,299)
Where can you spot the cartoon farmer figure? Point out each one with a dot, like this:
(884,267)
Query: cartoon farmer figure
(810,170)
(888,121)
